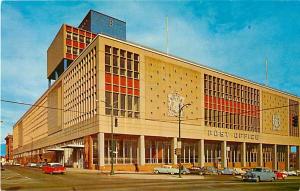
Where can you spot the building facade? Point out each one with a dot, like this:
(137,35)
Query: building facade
(9,148)
(136,92)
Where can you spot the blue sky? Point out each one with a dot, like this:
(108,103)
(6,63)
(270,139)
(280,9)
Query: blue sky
(235,37)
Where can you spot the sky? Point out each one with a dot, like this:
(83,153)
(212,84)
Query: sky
(234,37)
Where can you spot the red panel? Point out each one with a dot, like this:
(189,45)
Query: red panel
(116,88)
(74,56)
(136,92)
(75,44)
(69,42)
(88,34)
(94,35)
(81,45)
(206,105)
(69,28)
(75,30)
(215,99)
(129,90)
(123,81)
(69,56)
(116,79)
(206,99)
(107,87)
(210,99)
(107,78)
(137,84)
(123,90)
(81,32)
(129,82)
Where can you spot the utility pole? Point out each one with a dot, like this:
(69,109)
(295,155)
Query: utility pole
(179,137)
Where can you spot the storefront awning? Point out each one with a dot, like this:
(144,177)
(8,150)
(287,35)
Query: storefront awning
(73,146)
(55,149)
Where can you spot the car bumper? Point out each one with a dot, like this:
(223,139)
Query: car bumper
(250,179)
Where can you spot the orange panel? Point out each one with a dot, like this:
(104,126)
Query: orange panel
(81,45)
(116,79)
(94,35)
(107,78)
(75,30)
(116,88)
(129,90)
(123,81)
(136,83)
(75,44)
(69,42)
(129,82)
(123,90)
(69,56)
(81,32)
(136,92)
(107,87)
(74,56)
(69,28)
(88,34)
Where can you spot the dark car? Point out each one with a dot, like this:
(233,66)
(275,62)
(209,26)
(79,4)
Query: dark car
(196,170)
(209,170)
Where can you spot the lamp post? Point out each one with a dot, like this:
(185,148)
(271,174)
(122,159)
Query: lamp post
(179,138)
(112,137)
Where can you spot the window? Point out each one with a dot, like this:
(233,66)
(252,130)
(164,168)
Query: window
(75,51)
(81,38)
(129,102)
(69,35)
(69,49)
(75,37)
(88,40)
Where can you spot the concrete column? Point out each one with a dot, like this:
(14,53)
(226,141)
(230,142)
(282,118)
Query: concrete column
(274,157)
(298,158)
(173,147)
(287,158)
(100,149)
(142,150)
(224,154)
(201,156)
(260,155)
(243,154)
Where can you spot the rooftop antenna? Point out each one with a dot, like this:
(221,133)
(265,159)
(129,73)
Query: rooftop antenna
(167,35)
(266,83)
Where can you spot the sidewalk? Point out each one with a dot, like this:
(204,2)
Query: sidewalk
(135,175)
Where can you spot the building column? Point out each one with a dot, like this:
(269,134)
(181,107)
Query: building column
(224,154)
(201,156)
(287,158)
(260,155)
(298,158)
(173,147)
(274,157)
(243,154)
(142,150)
(101,144)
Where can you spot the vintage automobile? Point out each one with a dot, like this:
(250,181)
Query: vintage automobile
(209,170)
(279,175)
(228,171)
(239,171)
(259,174)
(167,169)
(54,168)
(31,164)
(291,173)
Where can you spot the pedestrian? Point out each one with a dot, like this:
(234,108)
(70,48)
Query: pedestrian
(136,167)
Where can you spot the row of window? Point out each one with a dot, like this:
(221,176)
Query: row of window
(78,38)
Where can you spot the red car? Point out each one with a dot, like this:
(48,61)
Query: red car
(279,175)
(53,168)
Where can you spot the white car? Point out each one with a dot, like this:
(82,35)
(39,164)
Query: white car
(239,171)
(291,173)
(31,164)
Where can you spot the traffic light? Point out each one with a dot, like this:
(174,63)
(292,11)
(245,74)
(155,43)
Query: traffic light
(295,121)
(116,122)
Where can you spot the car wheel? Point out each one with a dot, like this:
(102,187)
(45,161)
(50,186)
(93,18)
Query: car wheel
(183,172)
(273,179)
(172,173)
(257,179)
(156,172)
(233,174)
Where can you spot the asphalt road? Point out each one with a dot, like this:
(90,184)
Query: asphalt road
(23,178)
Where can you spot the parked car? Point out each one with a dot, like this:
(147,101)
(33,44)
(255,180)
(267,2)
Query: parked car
(54,168)
(196,170)
(167,169)
(239,171)
(31,164)
(209,170)
(279,175)
(259,174)
(298,172)
(291,173)
(40,164)
(228,171)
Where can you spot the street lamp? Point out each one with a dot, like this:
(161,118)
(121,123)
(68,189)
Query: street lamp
(112,137)
(179,138)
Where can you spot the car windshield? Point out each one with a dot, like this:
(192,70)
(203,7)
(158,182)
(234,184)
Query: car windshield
(56,165)
(257,169)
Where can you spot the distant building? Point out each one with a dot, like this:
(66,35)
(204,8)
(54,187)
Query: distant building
(9,148)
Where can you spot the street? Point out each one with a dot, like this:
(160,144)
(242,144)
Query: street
(24,178)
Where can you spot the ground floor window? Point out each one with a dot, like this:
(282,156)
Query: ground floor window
(95,149)
(189,153)
(212,152)
(267,154)
(281,154)
(251,154)
(158,151)
(124,151)
(234,153)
